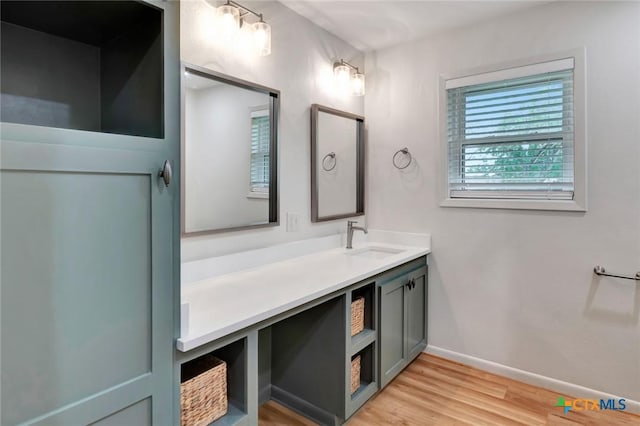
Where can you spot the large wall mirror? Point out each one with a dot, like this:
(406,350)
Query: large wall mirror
(229,153)
(337,164)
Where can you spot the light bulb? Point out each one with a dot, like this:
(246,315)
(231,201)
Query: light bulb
(228,18)
(262,38)
(357,84)
(342,74)
(244,40)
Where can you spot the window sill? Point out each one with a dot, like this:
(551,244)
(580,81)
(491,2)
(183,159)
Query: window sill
(553,205)
(259,195)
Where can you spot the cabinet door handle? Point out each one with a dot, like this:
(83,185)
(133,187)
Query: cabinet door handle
(165,173)
(413,283)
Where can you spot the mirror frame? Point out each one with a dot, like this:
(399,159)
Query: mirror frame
(315,110)
(274,113)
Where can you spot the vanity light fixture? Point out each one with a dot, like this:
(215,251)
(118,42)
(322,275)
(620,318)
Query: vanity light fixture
(262,37)
(228,18)
(231,18)
(342,72)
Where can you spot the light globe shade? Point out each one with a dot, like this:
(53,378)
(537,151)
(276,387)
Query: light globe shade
(262,38)
(357,84)
(228,22)
(342,74)
(244,41)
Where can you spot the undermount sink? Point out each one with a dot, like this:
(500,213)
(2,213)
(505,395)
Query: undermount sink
(374,252)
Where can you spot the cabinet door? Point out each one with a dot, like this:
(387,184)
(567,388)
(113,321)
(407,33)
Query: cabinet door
(90,255)
(417,314)
(393,348)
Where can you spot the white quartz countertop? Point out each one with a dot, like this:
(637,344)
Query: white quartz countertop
(227,303)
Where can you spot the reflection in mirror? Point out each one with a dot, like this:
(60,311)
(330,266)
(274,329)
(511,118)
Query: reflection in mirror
(229,153)
(337,164)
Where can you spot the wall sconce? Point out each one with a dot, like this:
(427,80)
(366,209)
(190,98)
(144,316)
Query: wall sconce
(342,72)
(230,19)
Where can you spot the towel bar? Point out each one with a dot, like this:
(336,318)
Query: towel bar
(599,270)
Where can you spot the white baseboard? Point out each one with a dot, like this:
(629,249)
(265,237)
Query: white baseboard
(530,378)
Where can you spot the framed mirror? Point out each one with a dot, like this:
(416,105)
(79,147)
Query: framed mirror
(337,164)
(229,153)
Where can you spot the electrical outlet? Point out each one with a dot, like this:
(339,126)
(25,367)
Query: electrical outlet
(292,222)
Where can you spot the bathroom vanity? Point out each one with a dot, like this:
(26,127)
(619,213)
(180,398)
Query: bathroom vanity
(284,328)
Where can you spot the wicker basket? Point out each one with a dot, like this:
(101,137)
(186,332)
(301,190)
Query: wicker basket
(357,316)
(203,397)
(355,374)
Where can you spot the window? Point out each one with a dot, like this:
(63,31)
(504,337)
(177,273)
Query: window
(511,136)
(260,137)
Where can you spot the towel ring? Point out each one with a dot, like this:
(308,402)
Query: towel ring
(406,152)
(324,160)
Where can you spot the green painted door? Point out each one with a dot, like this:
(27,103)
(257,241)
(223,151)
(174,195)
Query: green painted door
(393,348)
(89,269)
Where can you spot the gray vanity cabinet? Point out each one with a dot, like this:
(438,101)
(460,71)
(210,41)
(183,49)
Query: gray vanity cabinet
(403,321)
(302,358)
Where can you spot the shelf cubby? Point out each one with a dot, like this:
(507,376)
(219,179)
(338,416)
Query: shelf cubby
(366,336)
(235,356)
(304,365)
(83,65)
(368,378)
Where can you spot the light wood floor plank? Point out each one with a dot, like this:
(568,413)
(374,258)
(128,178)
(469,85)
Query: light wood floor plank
(391,409)
(272,414)
(458,379)
(489,406)
(437,391)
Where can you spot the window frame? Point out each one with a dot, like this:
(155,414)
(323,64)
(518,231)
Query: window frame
(579,202)
(257,192)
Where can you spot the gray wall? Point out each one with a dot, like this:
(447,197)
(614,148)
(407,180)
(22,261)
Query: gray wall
(516,287)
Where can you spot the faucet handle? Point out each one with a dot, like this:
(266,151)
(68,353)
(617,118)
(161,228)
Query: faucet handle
(351,222)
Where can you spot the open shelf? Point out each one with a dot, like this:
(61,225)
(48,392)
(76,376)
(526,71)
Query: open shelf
(367,367)
(233,417)
(368,378)
(235,355)
(83,65)
(363,338)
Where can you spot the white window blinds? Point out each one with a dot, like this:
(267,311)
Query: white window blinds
(260,138)
(512,138)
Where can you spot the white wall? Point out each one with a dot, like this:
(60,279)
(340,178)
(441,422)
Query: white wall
(516,287)
(301,67)
(218,158)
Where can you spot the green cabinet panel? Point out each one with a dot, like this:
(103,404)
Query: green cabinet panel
(393,354)
(403,319)
(138,414)
(90,240)
(417,315)
(65,308)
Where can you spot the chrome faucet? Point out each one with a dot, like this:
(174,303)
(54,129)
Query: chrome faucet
(350,229)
